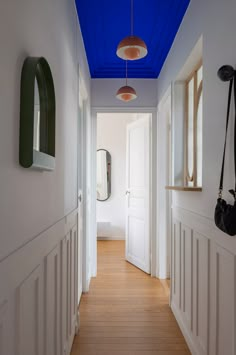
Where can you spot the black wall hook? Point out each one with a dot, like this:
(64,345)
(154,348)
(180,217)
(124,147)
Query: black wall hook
(226,73)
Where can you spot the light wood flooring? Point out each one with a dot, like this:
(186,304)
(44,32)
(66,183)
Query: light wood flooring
(126,312)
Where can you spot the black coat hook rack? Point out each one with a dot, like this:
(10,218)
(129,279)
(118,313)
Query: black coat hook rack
(226,73)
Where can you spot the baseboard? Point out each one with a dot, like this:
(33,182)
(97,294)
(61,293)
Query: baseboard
(79,294)
(111,238)
(77,327)
(184,330)
(163,275)
(88,284)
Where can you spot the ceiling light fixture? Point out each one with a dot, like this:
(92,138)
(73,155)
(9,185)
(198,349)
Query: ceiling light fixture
(132,47)
(126,93)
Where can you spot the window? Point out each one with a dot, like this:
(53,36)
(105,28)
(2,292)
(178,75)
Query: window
(193,129)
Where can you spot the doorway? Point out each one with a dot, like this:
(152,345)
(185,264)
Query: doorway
(124,181)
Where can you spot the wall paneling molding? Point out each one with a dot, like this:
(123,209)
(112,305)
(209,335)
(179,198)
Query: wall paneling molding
(38,298)
(203,288)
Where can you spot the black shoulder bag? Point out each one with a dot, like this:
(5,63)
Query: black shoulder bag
(225,214)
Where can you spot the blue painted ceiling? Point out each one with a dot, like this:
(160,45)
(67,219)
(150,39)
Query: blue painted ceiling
(104,23)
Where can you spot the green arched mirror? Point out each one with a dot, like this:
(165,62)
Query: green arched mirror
(37,115)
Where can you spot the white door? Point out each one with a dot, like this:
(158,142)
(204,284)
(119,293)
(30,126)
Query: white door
(138,194)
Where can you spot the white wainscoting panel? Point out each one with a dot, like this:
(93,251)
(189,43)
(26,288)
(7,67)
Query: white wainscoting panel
(52,302)
(187,275)
(201,292)
(64,310)
(203,285)
(29,318)
(176,265)
(39,293)
(223,318)
(3,328)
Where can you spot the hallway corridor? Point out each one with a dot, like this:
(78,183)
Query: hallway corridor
(126,312)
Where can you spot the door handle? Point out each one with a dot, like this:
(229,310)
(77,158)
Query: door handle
(127,192)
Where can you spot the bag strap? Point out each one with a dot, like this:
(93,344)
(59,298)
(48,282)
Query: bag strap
(233,192)
(226,131)
(235,133)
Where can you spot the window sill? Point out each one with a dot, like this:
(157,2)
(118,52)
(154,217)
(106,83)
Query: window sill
(184,188)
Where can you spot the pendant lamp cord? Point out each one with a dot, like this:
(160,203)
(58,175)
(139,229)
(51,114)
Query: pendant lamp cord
(132,16)
(126,72)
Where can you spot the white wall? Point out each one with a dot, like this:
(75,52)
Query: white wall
(31,201)
(38,210)
(214,21)
(104,93)
(203,258)
(111,135)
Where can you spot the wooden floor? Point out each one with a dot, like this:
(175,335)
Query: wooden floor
(126,312)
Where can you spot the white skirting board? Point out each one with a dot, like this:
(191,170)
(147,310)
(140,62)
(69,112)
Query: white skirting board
(110,238)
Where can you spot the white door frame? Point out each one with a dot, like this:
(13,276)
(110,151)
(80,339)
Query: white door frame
(163,236)
(153,205)
(84,110)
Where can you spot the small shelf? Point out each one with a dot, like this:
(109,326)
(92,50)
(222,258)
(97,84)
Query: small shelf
(184,188)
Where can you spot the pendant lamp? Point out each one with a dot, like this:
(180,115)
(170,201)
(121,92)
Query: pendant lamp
(126,93)
(131,47)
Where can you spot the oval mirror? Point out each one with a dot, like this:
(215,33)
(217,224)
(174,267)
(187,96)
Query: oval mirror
(103,175)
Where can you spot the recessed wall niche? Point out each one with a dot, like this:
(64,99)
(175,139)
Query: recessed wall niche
(187,124)
(37,115)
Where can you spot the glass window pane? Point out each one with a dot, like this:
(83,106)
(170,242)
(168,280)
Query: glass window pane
(199,143)
(190,127)
(199,76)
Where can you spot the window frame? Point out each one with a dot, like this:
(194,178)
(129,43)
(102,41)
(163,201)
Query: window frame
(197,92)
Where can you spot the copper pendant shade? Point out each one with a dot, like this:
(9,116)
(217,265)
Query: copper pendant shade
(126,93)
(131,47)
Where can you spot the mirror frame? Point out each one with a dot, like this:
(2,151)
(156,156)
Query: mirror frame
(108,175)
(37,68)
